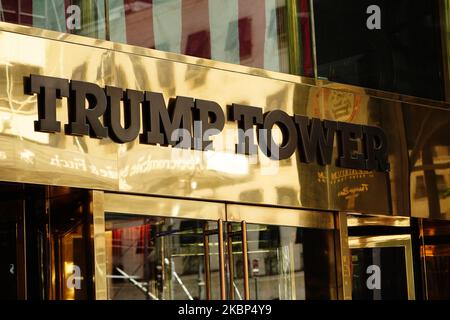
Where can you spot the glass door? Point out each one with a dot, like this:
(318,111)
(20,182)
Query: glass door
(382,268)
(280,254)
(381,258)
(161,248)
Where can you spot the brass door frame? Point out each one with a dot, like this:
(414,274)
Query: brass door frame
(403,241)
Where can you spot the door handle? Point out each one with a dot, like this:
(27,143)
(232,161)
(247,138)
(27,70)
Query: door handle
(230,235)
(206,234)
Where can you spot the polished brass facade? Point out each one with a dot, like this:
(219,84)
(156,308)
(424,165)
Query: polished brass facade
(57,159)
(363,220)
(163,207)
(280,216)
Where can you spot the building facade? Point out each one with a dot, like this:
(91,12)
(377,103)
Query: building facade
(203,149)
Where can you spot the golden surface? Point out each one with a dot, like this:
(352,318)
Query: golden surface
(280,216)
(163,207)
(59,159)
(54,159)
(362,220)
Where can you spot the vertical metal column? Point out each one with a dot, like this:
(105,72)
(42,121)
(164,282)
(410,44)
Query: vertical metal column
(313,36)
(245,260)
(230,259)
(206,261)
(206,234)
(343,257)
(107,29)
(223,293)
(294,43)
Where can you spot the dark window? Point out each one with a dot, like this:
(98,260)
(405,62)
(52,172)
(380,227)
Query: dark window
(404,56)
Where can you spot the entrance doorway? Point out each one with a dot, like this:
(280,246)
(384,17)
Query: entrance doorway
(381,258)
(162,248)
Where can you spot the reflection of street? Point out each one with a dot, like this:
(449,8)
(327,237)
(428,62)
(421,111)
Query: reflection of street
(430,185)
(151,257)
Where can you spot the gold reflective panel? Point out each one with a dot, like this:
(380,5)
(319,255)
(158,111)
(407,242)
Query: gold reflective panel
(363,220)
(429,159)
(176,208)
(280,216)
(54,159)
(220,175)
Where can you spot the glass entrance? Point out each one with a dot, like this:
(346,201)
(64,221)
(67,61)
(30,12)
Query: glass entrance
(159,248)
(290,254)
(381,259)
(151,257)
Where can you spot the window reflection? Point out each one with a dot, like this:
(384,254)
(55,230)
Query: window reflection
(152,258)
(429,158)
(286,263)
(83,17)
(158,258)
(405,55)
(277,263)
(234,31)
